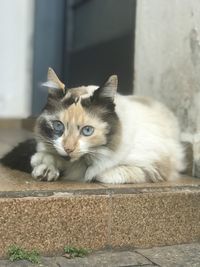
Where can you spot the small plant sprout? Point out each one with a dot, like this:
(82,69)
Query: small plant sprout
(72,252)
(16,253)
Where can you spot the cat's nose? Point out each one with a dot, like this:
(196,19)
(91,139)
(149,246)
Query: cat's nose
(69,150)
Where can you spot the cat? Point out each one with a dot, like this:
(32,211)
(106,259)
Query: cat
(92,133)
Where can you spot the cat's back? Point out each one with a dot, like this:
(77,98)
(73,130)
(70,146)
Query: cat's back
(144,111)
(140,106)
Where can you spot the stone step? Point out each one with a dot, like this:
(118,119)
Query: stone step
(48,216)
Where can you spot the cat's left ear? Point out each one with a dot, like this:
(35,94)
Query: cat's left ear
(53,82)
(108,90)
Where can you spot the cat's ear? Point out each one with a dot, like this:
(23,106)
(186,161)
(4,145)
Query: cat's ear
(108,90)
(53,83)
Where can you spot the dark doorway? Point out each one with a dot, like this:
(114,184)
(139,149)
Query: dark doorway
(102,42)
(85,41)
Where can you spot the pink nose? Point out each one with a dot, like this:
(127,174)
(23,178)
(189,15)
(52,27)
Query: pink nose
(69,150)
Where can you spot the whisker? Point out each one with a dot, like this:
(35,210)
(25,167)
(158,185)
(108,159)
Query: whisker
(51,145)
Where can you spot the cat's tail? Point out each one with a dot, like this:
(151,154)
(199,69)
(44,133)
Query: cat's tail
(20,156)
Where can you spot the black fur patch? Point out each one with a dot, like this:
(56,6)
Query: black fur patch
(105,102)
(45,129)
(56,94)
(104,108)
(52,105)
(68,102)
(86,102)
(19,157)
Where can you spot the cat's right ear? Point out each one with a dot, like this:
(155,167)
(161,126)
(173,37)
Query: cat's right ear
(53,83)
(108,90)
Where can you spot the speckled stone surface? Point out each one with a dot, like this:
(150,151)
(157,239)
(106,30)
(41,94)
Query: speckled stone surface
(97,218)
(48,224)
(155,219)
(48,216)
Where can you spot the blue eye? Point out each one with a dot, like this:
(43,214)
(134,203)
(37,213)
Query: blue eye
(87,130)
(58,127)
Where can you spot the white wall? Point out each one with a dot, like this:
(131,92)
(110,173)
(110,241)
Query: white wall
(16,44)
(167,61)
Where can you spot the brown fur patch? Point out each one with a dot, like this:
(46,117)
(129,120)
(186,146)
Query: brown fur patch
(75,92)
(51,76)
(76,117)
(162,170)
(78,91)
(113,134)
(115,138)
(164,167)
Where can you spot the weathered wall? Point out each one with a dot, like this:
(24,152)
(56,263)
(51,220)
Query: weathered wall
(16,34)
(167,61)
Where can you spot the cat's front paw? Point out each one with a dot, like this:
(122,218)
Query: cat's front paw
(44,167)
(89,175)
(43,172)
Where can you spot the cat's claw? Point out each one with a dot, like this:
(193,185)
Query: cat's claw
(43,172)
(44,167)
(89,175)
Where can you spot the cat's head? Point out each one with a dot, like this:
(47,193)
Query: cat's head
(79,121)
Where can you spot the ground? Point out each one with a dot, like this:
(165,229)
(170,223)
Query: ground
(187,255)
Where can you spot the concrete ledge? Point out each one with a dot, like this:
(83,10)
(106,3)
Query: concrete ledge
(48,216)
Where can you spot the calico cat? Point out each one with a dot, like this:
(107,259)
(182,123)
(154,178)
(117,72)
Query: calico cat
(93,133)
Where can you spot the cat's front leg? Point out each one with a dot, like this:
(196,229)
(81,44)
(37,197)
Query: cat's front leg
(123,174)
(90,174)
(46,166)
(97,167)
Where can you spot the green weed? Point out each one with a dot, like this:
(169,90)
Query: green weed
(16,253)
(72,252)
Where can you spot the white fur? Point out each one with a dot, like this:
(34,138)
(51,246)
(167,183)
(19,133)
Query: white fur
(50,84)
(90,91)
(44,167)
(150,133)
(59,147)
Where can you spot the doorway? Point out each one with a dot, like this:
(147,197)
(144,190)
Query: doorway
(85,41)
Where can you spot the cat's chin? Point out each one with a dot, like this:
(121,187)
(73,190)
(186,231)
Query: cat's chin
(73,159)
(68,158)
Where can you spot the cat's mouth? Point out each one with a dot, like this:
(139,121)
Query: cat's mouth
(67,157)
